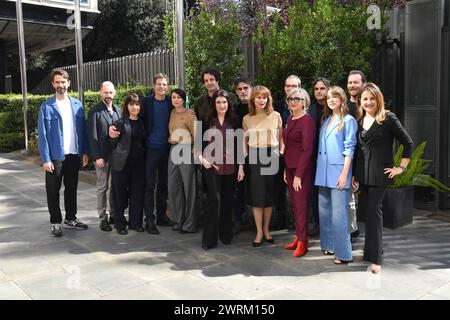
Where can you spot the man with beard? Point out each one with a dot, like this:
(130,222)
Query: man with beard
(315,110)
(355,81)
(210,78)
(100,117)
(243,89)
(62,146)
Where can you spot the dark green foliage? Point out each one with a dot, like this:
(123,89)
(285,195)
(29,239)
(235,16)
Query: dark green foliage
(11,141)
(325,38)
(414,174)
(125,27)
(211,39)
(11,115)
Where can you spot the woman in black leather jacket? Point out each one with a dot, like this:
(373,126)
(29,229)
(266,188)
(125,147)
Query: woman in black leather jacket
(128,166)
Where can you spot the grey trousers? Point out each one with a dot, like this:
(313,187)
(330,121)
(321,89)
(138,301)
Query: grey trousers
(352,212)
(103,187)
(182,195)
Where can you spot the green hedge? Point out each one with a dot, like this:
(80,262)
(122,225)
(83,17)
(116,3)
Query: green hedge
(11,115)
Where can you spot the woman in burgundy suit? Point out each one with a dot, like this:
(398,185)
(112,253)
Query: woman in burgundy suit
(298,138)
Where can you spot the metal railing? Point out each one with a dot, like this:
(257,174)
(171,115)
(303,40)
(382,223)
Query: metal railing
(129,70)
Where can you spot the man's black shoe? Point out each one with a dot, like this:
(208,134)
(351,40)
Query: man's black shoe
(151,228)
(122,232)
(56,230)
(104,225)
(354,235)
(186,231)
(165,222)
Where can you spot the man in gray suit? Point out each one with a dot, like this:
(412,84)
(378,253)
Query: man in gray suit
(100,117)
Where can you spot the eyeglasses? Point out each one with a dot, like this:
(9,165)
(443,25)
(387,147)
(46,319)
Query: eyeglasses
(294,99)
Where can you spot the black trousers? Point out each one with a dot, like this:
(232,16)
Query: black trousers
(370,202)
(280,192)
(156,176)
(239,200)
(217,222)
(128,188)
(67,171)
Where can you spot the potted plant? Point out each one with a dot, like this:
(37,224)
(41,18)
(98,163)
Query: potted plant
(398,201)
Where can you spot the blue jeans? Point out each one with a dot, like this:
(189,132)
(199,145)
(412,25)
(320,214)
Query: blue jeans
(333,215)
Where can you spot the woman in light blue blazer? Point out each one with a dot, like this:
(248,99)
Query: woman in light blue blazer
(337,142)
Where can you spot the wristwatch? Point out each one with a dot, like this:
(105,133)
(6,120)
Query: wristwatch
(403,168)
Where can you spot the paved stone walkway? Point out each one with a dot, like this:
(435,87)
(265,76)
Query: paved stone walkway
(95,265)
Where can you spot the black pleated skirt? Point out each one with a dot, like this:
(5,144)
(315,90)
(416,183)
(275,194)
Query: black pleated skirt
(263,164)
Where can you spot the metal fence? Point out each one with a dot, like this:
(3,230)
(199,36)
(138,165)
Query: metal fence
(130,70)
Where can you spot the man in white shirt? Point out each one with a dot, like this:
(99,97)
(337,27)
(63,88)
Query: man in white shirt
(63,146)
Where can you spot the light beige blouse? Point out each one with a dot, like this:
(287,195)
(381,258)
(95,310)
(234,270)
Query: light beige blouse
(181,127)
(262,129)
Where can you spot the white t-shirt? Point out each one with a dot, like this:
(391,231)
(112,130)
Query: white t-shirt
(68,119)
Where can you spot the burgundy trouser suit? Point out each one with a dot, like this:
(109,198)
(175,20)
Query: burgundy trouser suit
(300,201)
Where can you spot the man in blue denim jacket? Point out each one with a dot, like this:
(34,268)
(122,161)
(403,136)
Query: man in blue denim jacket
(63,146)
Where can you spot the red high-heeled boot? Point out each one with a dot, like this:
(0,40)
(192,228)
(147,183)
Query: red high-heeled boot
(292,245)
(302,249)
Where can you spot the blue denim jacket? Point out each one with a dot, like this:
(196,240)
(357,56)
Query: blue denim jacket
(50,130)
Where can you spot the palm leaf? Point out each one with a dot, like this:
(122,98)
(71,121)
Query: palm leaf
(414,175)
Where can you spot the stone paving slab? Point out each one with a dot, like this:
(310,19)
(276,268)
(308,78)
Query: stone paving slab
(10,291)
(91,264)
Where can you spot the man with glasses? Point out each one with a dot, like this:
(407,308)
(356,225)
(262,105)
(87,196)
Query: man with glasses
(283,219)
(243,89)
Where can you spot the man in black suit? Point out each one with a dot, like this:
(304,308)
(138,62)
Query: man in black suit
(315,110)
(243,89)
(355,82)
(100,117)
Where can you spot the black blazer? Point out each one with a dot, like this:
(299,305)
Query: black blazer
(374,151)
(122,145)
(99,121)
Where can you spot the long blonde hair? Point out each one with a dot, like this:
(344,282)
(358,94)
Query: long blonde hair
(336,91)
(376,92)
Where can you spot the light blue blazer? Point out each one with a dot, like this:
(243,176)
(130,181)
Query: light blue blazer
(334,146)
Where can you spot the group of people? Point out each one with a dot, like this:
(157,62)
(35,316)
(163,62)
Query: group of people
(247,147)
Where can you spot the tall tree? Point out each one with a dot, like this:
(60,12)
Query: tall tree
(125,27)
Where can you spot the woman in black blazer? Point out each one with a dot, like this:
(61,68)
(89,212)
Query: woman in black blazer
(128,166)
(373,166)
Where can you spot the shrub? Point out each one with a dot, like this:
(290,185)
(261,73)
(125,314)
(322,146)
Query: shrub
(323,38)
(11,114)
(11,141)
